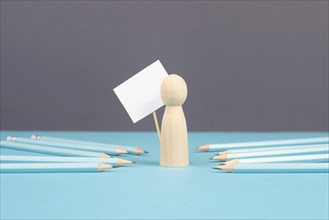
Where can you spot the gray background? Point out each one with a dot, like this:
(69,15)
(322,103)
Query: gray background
(249,65)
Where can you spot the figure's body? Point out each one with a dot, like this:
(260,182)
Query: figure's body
(174,140)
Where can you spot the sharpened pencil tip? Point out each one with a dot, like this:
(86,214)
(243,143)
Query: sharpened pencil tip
(211,158)
(146,152)
(123,161)
(203,148)
(139,151)
(133,161)
(121,151)
(102,166)
(222,157)
(104,155)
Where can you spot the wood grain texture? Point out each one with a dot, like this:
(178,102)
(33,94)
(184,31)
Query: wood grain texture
(174,139)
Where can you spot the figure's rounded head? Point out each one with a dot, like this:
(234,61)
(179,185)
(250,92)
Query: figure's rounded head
(173,90)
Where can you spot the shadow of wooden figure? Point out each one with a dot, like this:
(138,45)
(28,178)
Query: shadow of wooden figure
(173,138)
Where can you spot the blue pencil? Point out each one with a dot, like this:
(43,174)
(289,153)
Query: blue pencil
(255,149)
(227,146)
(49,150)
(68,145)
(52,167)
(58,159)
(131,150)
(296,151)
(312,158)
(276,168)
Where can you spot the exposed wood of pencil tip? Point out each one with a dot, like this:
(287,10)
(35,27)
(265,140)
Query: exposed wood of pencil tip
(225,152)
(104,155)
(157,124)
(203,148)
(232,161)
(222,157)
(120,151)
(102,167)
(139,151)
(123,161)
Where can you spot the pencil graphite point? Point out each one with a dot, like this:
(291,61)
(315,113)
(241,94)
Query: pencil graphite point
(146,152)
(222,167)
(102,167)
(203,148)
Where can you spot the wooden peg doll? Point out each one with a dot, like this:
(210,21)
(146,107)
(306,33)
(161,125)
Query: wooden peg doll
(174,140)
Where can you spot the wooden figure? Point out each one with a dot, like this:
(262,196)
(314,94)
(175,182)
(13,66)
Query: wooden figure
(174,142)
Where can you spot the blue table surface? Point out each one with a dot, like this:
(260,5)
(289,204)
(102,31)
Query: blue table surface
(148,191)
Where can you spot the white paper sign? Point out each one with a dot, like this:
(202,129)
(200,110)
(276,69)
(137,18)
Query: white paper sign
(140,94)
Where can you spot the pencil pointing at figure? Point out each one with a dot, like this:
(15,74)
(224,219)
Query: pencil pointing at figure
(68,145)
(127,149)
(52,167)
(255,149)
(312,158)
(52,159)
(276,168)
(226,146)
(50,150)
(296,151)
(203,148)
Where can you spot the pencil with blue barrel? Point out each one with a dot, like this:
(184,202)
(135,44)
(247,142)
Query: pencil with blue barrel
(263,144)
(58,159)
(255,149)
(312,158)
(296,151)
(52,167)
(50,150)
(275,168)
(128,149)
(75,146)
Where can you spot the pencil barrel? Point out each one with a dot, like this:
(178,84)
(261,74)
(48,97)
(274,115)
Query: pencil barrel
(46,149)
(314,158)
(286,147)
(74,146)
(227,146)
(282,168)
(131,150)
(49,167)
(51,159)
(295,151)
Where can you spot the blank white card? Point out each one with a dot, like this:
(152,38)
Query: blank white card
(140,94)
